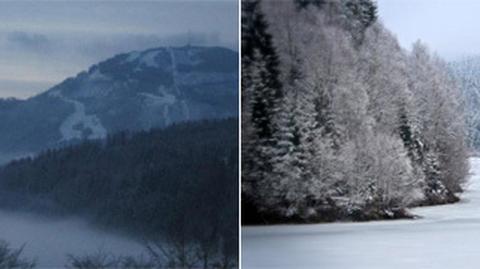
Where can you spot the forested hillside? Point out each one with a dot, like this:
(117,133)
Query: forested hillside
(338,121)
(178,185)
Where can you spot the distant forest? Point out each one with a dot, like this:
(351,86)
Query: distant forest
(178,184)
(339,121)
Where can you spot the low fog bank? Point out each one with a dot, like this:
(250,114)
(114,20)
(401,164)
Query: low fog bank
(50,240)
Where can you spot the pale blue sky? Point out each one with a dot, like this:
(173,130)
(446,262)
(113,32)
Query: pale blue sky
(43,42)
(449,27)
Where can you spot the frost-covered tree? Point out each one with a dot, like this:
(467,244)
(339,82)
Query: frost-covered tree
(360,15)
(303,167)
(439,114)
(261,91)
(467,73)
(362,129)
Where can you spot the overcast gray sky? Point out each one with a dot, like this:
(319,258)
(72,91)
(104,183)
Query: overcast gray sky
(449,27)
(43,42)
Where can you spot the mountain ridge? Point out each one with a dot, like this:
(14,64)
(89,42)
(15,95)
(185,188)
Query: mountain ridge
(132,91)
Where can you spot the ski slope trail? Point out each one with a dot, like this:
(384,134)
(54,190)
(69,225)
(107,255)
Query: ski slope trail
(445,237)
(75,124)
(185,109)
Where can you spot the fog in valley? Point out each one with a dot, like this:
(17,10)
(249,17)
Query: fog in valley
(45,238)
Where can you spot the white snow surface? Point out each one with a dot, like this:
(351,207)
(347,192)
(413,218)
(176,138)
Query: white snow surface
(445,236)
(79,117)
(195,78)
(149,59)
(164,100)
(174,69)
(175,76)
(96,75)
(133,56)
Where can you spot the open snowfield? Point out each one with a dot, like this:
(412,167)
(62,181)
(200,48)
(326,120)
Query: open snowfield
(445,237)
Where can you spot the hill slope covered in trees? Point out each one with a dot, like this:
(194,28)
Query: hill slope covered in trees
(178,184)
(339,122)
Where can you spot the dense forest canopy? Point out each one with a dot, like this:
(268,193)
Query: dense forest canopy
(338,121)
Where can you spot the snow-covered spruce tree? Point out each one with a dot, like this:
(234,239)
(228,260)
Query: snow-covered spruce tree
(408,129)
(261,91)
(305,124)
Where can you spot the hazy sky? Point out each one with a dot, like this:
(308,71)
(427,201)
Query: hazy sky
(449,27)
(43,42)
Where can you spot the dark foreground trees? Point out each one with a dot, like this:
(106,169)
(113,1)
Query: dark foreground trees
(11,258)
(158,256)
(362,129)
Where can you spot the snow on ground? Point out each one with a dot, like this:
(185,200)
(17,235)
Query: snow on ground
(96,75)
(174,69)
(73,126)
(149,59)
(165,100)
(175,75)
(132,56)
(445,237)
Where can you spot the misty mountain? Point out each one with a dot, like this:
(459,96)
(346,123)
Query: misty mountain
(131,91)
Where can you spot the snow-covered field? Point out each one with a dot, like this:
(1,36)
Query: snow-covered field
(445,237)
(49,241)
